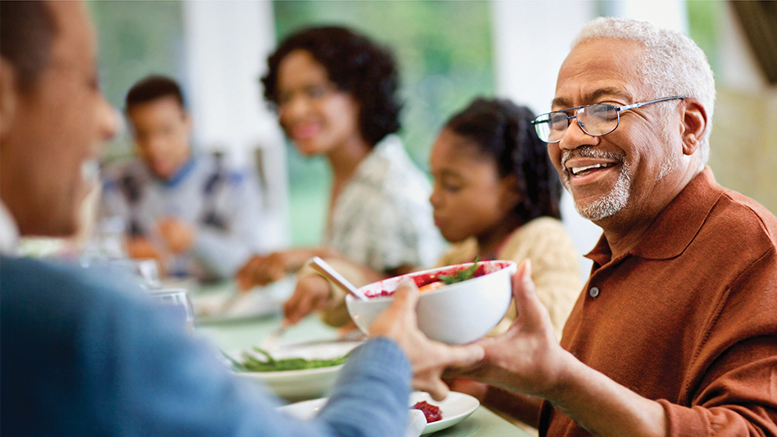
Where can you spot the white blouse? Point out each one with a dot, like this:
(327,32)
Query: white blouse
(383,217)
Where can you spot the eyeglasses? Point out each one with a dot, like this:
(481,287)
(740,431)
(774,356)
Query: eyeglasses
(595,120)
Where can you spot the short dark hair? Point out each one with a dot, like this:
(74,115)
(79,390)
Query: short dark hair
(27,30)
(152,88)
(502,130)
(355,65)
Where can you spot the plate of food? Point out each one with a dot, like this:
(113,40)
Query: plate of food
(439,414)
(225,303)
(294,371)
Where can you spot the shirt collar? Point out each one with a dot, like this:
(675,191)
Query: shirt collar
(181,174)
(9,232)
(373,167)
(676,227)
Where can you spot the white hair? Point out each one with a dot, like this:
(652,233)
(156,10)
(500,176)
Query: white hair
(672,64)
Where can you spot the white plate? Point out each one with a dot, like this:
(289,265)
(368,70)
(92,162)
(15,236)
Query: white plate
(307,383)
(225,302)
(308,410)
(455,408)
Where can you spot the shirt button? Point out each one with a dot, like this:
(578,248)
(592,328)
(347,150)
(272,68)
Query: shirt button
(593,292)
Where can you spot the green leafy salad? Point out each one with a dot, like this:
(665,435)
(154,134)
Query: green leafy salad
(460,275)
(252,364)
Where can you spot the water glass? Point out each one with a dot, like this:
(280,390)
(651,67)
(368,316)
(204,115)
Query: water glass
(176,302)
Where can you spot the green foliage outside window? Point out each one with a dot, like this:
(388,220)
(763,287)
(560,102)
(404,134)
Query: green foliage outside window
(443,49)
(136,38)
(704,18)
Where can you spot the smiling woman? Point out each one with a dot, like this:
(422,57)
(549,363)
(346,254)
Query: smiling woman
(444,56)
(336,95)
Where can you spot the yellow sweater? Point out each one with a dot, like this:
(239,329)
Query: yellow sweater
(544,241)
(555,268)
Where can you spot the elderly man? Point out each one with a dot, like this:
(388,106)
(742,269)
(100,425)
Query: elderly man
(187,210)
(675,333)
(80,354)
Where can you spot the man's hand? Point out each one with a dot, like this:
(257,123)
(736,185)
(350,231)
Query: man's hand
(178,234)
(476,389)
(526,358)
(311,293)
(429,358)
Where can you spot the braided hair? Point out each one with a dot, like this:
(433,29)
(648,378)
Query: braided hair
(502,130)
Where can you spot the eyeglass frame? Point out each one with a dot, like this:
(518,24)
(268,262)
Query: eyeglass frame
(536,122)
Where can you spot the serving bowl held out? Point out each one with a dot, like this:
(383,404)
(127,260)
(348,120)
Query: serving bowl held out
(457,313)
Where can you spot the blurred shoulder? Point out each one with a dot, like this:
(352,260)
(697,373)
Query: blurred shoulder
(461,252)
(389,164)
(543,235)
(63,285)
(543,225)
(542,229)
(744,217)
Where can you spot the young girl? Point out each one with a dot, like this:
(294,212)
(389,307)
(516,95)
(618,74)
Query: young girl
(335,92)
(496,196)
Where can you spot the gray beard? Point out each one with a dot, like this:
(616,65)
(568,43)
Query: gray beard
(611,203)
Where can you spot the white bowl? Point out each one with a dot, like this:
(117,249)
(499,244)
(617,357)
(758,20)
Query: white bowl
(458,313)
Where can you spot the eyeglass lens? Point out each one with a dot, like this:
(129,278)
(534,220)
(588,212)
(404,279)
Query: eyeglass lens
(596,120)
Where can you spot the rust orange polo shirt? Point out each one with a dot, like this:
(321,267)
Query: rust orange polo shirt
(688,317)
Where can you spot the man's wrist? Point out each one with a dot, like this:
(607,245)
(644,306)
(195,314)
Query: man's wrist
(564,379)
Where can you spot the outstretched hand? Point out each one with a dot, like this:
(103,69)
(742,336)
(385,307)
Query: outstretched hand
(428,358)
(526,358)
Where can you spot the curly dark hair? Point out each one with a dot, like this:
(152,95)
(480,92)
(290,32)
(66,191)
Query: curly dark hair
(355,65)
(151,88)
(503,130)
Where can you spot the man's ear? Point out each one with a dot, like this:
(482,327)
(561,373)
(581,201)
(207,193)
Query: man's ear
(8,96)
(694,125)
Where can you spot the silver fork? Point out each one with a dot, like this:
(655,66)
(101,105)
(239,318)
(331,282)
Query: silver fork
(271,341)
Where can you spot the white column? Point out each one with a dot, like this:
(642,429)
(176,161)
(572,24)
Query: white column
(669,14)
(227,44)
(531,40)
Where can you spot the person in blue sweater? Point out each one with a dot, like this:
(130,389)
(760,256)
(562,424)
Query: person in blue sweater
(85,354)
(189,210)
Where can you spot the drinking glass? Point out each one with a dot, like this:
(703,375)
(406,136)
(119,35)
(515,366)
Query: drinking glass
(176,302)
(144,271)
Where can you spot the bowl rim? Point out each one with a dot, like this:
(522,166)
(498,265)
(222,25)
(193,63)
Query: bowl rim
(508,264)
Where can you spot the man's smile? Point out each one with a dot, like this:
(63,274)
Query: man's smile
(584,165)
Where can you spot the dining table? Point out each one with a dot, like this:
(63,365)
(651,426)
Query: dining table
(243,333)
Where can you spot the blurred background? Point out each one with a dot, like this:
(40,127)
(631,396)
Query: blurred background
(448,52)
